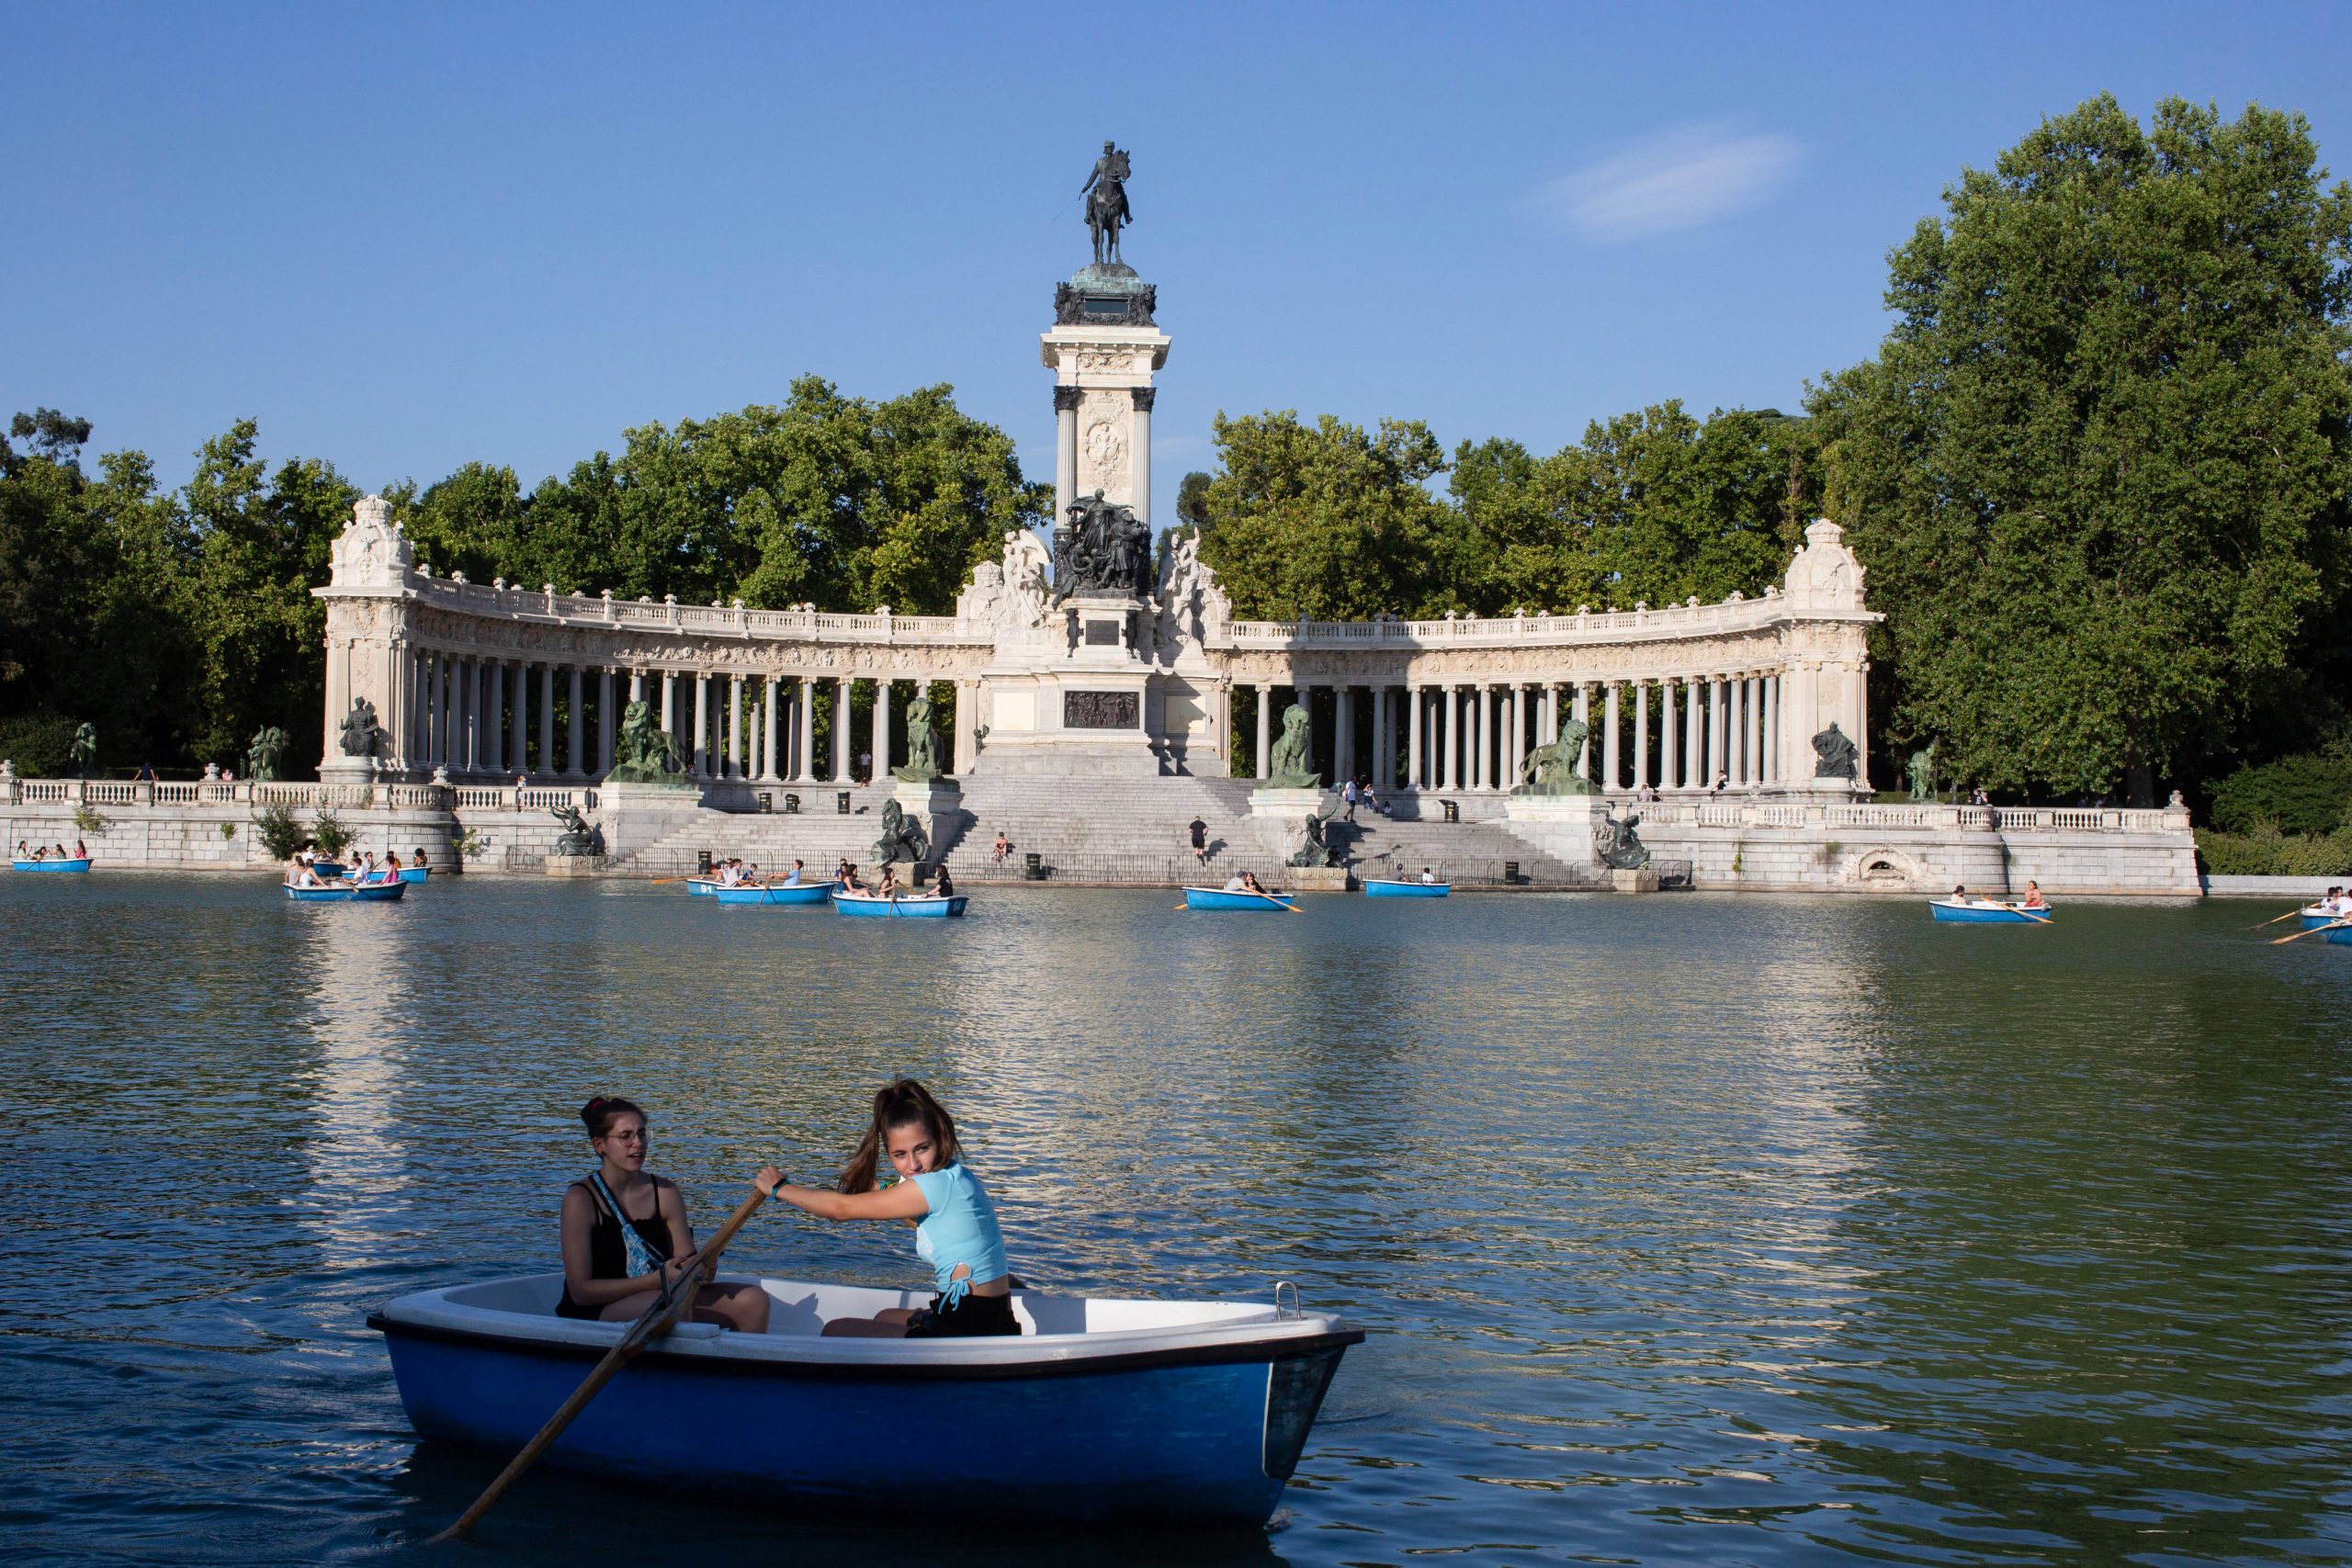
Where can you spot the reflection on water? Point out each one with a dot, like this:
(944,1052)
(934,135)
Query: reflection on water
(1690,1229)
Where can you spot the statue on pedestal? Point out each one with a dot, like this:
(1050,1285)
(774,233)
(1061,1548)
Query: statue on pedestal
(1923,771)
(1316,849)
(1287,766)
(1552,770)
(647,754)
(1839,757)
(579,838)
(922,745)
(1103,549)
(362,735)
(84,752)
(1106,201)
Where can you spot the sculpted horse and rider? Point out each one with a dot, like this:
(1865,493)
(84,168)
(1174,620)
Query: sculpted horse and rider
(1106,201)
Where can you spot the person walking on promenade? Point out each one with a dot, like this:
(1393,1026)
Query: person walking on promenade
(1347,800)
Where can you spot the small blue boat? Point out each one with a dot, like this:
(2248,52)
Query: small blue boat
(702,886)
(914,907)
(1192,1411)
(778,893)
(1984,912)
(1400,887)
(1218,898)
(2340,937)
(370,893)
(415,872)
(329,868)
(52,864)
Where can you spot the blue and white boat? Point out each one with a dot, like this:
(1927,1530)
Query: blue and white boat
(1099,1410)
(2337,935)
(415,873)
(910,906)
(778,893)
(1218,898)
(702,886)
(329,868)
(349,893)
(1986,912)
(53,863)
(1402,887)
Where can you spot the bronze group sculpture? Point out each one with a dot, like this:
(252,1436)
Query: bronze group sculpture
(647,754)
(903,837)
(1103,547)
(1288,766)
(263,752)
(578,837)
(84,752)
(1552,770)
(1617,846)
(1316,849)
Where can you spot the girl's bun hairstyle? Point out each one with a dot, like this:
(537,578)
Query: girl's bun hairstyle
(599,1113)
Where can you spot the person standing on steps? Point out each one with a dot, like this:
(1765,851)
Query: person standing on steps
(1200,832)
(1348,799)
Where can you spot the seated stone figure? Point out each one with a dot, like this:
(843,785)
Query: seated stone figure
(1287,766)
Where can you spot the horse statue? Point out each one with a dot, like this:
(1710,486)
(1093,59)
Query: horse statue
(84,752)
(903,837)
(1288,767)
(1106,201)
(262,753)
(646,754)
(1552,770)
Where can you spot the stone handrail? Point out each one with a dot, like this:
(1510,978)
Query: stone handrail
(1504,631)
(1720,813)
(582,610)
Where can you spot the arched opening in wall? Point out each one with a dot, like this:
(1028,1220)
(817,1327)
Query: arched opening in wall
(1888,870)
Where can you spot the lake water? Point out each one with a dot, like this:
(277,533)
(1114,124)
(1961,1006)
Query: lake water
(1687,1229)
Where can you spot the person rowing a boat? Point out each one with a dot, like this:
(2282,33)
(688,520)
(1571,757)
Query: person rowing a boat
(626,1238)
(956,1228)
(792,877)
(888,886)
(2033,899)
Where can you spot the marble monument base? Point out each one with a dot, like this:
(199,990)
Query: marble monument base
(1315,878)
(1288,803)
(636,815)
(1559,825)
(1642,881)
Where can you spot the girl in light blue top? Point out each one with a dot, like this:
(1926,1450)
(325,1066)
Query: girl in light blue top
(956,1229)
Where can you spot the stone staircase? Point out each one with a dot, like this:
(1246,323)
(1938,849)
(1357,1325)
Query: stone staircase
(1120,831)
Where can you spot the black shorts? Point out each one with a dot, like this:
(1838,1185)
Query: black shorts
(970,1318)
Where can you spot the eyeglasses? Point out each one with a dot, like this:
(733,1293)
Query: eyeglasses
(629,1135)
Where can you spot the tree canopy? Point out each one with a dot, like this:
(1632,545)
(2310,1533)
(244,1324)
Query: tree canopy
(2098,470)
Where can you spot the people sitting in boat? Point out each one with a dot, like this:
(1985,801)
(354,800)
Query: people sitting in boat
(2033,899)
(1235,884)
(847,876)
(944,883)
(1428,879)
(728,876)
(24,852)
(1250,884)
(792,877)
(956,1228)
(41,852)
(626,1236)
(416,857)
(889,886)
(80,850)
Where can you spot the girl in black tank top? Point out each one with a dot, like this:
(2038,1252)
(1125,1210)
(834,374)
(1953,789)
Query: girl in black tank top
(617,1261)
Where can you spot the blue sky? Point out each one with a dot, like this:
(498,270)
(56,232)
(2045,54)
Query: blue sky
(403,237)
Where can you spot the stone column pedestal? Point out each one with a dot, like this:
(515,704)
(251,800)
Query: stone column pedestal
(1287,804)
(1561,826)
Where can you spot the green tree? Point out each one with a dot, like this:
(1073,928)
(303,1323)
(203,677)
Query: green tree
(1324,521)
(2098,469)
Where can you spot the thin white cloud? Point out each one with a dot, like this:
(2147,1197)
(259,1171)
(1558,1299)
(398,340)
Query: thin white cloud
(1679,179)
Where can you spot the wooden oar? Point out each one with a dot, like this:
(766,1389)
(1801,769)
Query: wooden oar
(2037,917)
(1269,898)
(659,880)
(658,1320)
(2298,936)
(2288,916)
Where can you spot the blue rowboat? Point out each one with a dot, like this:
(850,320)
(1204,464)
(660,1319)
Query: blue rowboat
(2311,919)
(923,906)
(1099,1410)
(702,886)
(1398,887)
(776,893)
(52,864)
(415,872)
(329,868)
(369,893)
(2340,937)
(1984,912)
(1218,898)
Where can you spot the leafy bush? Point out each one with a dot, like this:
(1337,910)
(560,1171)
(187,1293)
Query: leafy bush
(41,744)
(331,837)
(280,834)
(88,822)
(2309,794)
(2265,852)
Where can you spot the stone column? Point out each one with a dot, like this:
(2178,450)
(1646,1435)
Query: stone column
(518,725)
(1065,399)
(1742,764)
(1584,716)
(1772,774)
(1694,750)
(575,731)
(1515,740)
(844,746)
(806,698)
(668,683)
(735,725)
(473,716)
(605,726)
(1641,735)
(1669,760)
(1265,743)
(1416,767)
(1612,763)
(547,720)
(698,753)
(1718,732)
(1140,458)
(1450,739)
(881,768)
(1343,734)
(767,730)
